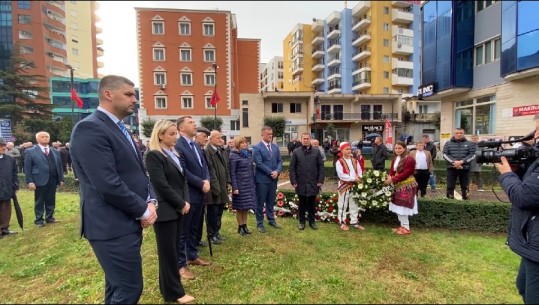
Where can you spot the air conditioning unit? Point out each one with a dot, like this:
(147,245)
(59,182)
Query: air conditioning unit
(163,86)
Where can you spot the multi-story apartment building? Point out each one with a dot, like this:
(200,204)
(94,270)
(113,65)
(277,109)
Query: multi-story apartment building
(271,75)
(485,74)
(184,55)
(368,49)
(57,36)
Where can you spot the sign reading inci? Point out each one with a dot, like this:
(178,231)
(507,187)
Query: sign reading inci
(425,90)
(373,128)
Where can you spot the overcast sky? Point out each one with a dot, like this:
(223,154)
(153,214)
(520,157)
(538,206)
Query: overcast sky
(269,21)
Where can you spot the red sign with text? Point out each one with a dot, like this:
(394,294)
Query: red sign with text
(525,110)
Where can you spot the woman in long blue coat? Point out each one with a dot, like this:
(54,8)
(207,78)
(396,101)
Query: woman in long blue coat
(243,182)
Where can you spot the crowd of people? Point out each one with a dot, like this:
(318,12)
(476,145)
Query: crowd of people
(186,175)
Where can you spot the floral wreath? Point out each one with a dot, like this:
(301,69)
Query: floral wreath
(371,193)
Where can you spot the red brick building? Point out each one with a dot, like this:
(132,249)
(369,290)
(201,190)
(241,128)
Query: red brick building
(177,52)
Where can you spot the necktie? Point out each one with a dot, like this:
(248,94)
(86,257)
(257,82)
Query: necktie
(46,151)
(196,152)
(126,133)
(270,152)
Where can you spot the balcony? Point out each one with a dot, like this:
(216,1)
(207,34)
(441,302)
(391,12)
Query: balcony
(98,41)
(317,26)
(100,51)
(100,64)
(358,116)
(318,67)
(361,24)
(396,30)
(396,63)
(317,81)
(334,48)
(401,49)
(362,54)
(334,90)
(98,30)
(318,52)
(333,18)
(334,34)
(361,8)
(361,84)
(364,68)
(399,16)
(401,4)
(334,62)
(297,69)
(318,40)
(361,39)
(402,81)
(336,74)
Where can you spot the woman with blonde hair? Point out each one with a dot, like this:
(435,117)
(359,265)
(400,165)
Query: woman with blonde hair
(243,183)
(170,184)
(401,175)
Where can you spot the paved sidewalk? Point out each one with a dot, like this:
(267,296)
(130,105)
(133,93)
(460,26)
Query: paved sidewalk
(440,192)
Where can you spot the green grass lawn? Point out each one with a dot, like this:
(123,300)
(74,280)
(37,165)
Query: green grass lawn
(54,265)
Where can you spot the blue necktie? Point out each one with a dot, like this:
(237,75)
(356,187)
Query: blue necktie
(196,152)
(126,133)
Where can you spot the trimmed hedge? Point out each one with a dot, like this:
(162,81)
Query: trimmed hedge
(479,216)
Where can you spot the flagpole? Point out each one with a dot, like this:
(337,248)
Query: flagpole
(215,67)
(72,101)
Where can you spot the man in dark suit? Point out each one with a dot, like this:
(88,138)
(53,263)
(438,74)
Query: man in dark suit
(43,169)
(269,166)
(9,184)
(198,180)
(117,199)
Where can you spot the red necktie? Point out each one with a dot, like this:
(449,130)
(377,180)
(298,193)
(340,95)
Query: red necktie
(46,151)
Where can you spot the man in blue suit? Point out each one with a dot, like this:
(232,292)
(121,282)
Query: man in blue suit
(198,180)
(269,166)
(117,199)
(44,172)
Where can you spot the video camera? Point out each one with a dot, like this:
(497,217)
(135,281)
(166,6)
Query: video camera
(492,151)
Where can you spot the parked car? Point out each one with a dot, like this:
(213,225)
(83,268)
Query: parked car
(366,148)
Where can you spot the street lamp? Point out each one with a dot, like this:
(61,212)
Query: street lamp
(215,67)
(71,69)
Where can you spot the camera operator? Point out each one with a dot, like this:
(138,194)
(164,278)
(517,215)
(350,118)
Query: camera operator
(523,236)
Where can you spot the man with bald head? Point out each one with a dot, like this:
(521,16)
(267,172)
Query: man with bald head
(43,169)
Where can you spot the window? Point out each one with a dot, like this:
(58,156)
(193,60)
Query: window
(23,19)
(477,116)
(386,90)
(386,42)
(386,74)
(159,78)
(295,107)
(386,27)
(276,107)
(187,102)
(423,109)
(209,55)
(235,125)
(245,117)
(185,54)
(208,102)
(24,5)
(386,10)
(377,112)
(365,112)
(187,79)
(488,51)
(159,54)
(208,29)
(158,27)
(209,79)
(245,102)
(75,51)
(185,28)
(160,102)
(481,5)
(386,58)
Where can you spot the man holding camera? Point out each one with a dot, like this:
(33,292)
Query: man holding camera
(458,152)
(524,225)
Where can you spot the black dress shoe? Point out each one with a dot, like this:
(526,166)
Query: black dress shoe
(8,232)
(246,230)
(261,229)
(313,226)
(301,226)
(202,243)
(240,231)
(40,225)
(216,241)
(275,225)
(51,220)
(221,237)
